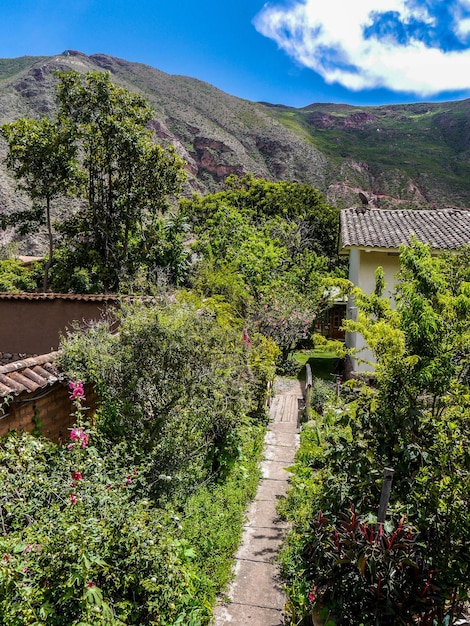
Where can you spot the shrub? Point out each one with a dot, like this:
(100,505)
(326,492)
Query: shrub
(14,276)
(83,542)
(262,355)
(366,572)
(321,393)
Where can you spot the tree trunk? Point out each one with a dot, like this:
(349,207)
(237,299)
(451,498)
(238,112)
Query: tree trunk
(45,285)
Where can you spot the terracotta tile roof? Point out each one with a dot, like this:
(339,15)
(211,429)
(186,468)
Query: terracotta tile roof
(446,229)
(29,375)
(8,295)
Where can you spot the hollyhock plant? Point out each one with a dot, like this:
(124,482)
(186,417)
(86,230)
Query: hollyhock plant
(78,394)
(77,434)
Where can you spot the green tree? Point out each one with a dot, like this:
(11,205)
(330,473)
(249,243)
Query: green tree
(128,179)
(264,246)
(14,276)
(418,421)
(41,156)
(297,214)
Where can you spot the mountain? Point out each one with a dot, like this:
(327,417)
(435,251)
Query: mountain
(415,155)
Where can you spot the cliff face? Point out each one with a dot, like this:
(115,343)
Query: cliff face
(407,156)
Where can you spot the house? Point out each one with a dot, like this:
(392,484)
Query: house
(372,238)
(34,397)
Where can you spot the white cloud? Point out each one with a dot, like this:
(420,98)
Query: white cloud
(327,36)
(463,27)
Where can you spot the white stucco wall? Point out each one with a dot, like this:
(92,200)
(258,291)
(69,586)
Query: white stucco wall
(362,266)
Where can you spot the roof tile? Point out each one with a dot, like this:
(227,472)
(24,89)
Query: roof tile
(446,229)
(8,295)
(29,375)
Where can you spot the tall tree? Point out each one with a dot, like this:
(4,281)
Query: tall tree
(128,179)
(418,421)
(297,214)
(42,158)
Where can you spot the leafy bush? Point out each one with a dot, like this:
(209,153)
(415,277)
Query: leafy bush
(85,545)
(122,525)
(94,551)
(368,572)
(262,355)
(175,385)
(14,276)
(288,367)
(321,393)
(416,421)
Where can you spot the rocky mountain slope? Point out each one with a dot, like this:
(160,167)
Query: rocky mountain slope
(408,156)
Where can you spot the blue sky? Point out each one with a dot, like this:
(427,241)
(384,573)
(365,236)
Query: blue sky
(284,51)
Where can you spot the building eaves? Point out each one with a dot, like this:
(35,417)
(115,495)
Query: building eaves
(446,229)
(29,375)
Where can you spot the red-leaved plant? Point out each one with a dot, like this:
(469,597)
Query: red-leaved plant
(367,573)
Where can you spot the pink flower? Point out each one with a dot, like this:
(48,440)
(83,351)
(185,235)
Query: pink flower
(77,394)
(73,498)
(7,557)
(128,480)
(313,594)
(76,476)
(77,434)
(90,584)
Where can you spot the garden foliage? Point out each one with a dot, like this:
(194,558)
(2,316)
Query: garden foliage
(417,421)
(135,519)
(263,247)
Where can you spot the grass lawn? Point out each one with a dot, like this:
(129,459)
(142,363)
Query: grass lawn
(321,361)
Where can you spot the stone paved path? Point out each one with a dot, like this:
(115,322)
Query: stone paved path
(256,595)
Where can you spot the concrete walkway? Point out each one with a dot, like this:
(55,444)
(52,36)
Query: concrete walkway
(256,596)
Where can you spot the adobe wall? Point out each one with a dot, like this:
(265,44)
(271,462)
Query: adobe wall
(34,326)
(50,409)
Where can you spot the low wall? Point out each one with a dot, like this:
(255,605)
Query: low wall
(33,323)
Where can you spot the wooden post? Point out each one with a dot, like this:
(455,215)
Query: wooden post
(308,390)
(385,495)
